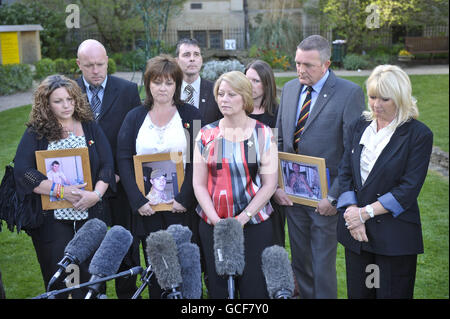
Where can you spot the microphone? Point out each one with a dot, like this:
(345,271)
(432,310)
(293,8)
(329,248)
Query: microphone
(278,272)
(162,255)
(189,258)
(81,247)
(229,250)
(106,260)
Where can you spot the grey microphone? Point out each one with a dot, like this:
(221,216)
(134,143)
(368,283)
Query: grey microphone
(107,259)
(163,257)
(278,272)
(85,242)
(189,258)
(229,250)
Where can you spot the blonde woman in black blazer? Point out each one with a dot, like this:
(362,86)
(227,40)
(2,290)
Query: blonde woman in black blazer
(381,174)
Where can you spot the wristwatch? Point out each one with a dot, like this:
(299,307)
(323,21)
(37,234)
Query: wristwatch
(369,210)
(248,214)
(333,201)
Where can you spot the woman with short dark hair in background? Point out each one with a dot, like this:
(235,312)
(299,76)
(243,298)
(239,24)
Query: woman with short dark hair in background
(158,126)
(61,118)
(381,174)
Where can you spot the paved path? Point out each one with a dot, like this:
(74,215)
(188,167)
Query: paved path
(23,98)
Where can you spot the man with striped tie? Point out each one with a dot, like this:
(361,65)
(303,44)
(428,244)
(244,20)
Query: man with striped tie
(111,98)
(315,112)
(195,90)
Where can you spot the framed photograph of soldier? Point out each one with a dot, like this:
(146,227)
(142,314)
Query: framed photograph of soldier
(63,167)
(303,178)
(159,178)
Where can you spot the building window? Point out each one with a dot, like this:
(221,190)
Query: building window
(184,35)
(196,6)
(200,36)
(215,39)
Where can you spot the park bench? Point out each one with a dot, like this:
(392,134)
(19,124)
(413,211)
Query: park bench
(427,45)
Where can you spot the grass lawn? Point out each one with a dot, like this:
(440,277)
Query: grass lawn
(432,280)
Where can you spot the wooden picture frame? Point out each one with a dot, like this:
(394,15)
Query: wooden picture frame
(303,178)
(73,164)
(169,164)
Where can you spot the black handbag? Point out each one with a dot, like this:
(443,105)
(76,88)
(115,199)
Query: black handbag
(16,213)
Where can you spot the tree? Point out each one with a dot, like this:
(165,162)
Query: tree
(353,19)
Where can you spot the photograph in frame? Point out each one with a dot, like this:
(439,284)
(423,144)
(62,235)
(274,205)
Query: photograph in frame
(65,167)
(159,178)
(303,178)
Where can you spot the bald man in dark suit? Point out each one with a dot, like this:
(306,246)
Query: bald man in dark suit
(111,98)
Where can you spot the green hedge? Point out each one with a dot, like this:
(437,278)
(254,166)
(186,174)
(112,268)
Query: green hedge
(15,78)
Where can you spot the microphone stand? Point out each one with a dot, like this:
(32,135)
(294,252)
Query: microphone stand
(174,293)
(130,272)
(145,278)
(230,287)
(283,294)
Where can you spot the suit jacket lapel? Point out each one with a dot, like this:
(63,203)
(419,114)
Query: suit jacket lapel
(397,140)
(356,155)
(322,99)
(289,120)
(203,96)
(109,96)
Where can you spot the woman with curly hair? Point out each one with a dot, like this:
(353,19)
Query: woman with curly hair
(60,118)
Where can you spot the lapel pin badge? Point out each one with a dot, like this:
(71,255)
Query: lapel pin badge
(325,95)
(203,100)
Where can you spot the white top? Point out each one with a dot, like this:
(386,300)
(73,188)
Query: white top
(374,142)
(152,139)
(196,86)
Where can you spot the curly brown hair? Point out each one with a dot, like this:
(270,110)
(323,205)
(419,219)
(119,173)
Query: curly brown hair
(42,119)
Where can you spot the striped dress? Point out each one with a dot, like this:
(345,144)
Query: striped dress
(233,170)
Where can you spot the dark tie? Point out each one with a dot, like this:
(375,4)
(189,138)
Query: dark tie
(189,94)
(304,112)
(96,104)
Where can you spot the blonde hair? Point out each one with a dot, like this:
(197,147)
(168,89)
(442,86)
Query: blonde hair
(241,85)
(390,81)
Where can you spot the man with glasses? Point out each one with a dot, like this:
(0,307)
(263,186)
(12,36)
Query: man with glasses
(315,112)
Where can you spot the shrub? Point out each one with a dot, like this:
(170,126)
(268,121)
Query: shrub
(44,68)
(355,62)
(14,78)
(111,66)
(213,69)
(134,60)
(274,57)
(62,66)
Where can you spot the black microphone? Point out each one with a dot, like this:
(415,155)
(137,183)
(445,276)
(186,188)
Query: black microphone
(278,272)
(163,256)
(106,260)
(229,250)
(189,258)
(86,240)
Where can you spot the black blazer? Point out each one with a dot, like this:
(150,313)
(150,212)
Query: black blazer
(395,180)
(126,149)
(119,98)
(209,111)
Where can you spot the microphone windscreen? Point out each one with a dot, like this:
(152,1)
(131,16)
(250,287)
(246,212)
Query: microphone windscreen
(181,234)
(86,240)
(107,259)
(163,256)
(277,270)
(229,247)
(191,272)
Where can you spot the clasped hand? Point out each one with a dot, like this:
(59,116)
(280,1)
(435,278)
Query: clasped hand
(81,199)
(353,222)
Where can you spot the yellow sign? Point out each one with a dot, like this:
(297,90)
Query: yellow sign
(9,45)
